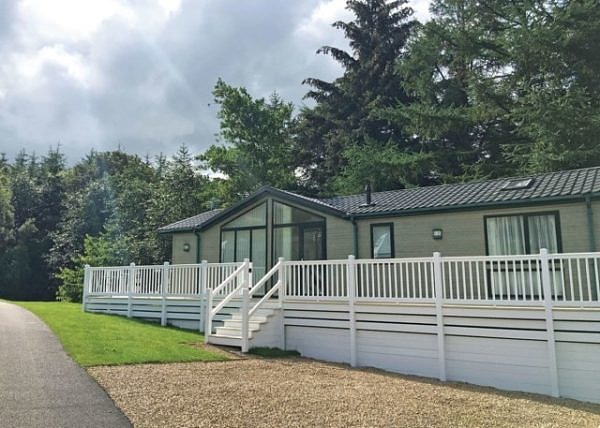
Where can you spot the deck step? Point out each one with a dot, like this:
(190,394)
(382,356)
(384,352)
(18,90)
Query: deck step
(233,332)
(230,333)
(237,324)
(225,340)
(260,319)
(260,315)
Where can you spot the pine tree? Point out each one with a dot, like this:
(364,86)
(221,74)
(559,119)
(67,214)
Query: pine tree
(349,117)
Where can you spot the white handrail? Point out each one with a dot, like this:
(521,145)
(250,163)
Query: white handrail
(265,278)
(210,312)
(273,289)
(229,279)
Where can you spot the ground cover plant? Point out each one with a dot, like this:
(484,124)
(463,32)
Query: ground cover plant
(266,352)
(97,339)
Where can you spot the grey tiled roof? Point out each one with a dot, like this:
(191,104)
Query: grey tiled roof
(560,185)
(189,223)
(553,185)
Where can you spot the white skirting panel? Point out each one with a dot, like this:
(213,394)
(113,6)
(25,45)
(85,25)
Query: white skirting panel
(408,353)
(502,347)
(522,348)
(519,365)
(327,344)
(579,370)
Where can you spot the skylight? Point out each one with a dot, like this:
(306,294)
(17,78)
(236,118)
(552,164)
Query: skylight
(518,184)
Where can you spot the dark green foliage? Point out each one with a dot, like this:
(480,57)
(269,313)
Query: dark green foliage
(505,88)
(349,117)
(273,352)
(259,146)
(103,250)
(105,210)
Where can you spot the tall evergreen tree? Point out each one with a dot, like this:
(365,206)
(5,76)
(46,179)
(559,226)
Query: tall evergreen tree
(505,88)
(349,120)
(6,208)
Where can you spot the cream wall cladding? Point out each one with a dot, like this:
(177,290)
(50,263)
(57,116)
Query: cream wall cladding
(463,231)
(181,243)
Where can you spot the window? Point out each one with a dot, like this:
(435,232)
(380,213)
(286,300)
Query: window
(297,234)
(245,237)
(522,234)
(519,183)
(382,240)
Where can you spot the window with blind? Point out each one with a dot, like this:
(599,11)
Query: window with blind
(522,234)
(516,235)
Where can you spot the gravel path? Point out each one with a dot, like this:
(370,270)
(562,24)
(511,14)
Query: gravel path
(305,393)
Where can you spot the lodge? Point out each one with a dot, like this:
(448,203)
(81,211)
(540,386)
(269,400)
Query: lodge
(494,282)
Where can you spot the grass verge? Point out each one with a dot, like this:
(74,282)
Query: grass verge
(97,339)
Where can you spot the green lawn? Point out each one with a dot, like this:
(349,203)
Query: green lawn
(95,339)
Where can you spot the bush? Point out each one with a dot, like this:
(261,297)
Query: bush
(71,287)
(97,251)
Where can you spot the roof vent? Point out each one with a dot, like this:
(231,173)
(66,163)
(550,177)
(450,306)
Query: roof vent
(518,184)
(368,200)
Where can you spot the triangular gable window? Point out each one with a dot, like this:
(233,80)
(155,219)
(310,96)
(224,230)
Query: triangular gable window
(285,214)
(256,217)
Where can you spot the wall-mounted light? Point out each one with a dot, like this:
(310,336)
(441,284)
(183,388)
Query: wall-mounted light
(186,247)
(437,233)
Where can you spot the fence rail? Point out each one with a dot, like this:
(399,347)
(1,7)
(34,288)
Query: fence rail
(573,279)
(158,280)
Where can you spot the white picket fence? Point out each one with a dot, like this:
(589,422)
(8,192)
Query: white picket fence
(571,279)
(567,279)
(167,279)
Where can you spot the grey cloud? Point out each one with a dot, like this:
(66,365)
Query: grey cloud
(154,89)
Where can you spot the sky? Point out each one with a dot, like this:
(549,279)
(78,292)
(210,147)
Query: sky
(138,74)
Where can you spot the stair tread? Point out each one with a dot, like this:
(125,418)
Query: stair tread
(224,336)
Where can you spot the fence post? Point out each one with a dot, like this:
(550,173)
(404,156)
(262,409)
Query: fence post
(351,277)
(208,326)
(282,289)
(203,286)
(86,286)
(203,277)
(130,285)
(245,304)
(438,282)
(547,288)
(164,291)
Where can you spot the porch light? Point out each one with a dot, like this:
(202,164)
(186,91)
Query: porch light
(186,247)
(437,233)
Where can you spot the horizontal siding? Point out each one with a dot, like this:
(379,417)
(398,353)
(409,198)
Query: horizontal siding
(463,231)
(183,257)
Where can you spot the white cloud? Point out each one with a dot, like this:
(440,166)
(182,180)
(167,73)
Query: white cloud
(139,73)
(317,25)
(31,67)
(69,19)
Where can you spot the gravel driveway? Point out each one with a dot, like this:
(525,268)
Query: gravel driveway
(304,393)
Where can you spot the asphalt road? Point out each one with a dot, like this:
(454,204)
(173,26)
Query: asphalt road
(40,385)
